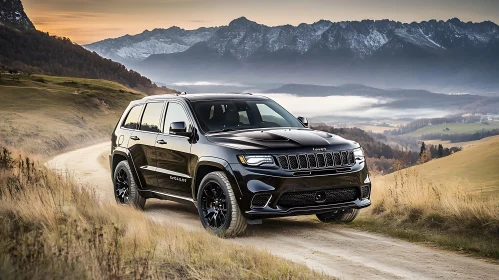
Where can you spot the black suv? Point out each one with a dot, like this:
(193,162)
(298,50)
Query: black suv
(238,157)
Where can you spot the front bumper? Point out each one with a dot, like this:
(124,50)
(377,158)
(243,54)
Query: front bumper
(277,182)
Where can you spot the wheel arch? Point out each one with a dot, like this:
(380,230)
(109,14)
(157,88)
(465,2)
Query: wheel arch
(206,165)
(120,155)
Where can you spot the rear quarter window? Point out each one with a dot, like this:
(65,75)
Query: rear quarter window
(132,119)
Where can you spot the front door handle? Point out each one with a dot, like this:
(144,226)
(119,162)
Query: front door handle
(135,138)
(161,142)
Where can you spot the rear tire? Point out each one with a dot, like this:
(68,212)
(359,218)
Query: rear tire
(338,217)
(218,208)
(125,188)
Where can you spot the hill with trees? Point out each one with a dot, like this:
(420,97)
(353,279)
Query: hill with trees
(32,51)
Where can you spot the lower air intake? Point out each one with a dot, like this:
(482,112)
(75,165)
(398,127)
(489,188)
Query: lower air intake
(260,200)
(309,198)
(366,192)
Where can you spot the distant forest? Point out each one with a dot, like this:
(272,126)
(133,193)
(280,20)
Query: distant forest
(461,137)
(40,53)
(417,124)
(382,158)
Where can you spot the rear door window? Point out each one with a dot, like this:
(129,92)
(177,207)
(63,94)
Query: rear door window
(152,117)
(132,120)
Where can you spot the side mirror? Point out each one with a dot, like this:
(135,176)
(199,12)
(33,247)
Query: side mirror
(179,128)
(303,120)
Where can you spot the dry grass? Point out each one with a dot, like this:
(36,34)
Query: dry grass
(46,114)
(52,228)
(409,205)
(104,160)
(452,201)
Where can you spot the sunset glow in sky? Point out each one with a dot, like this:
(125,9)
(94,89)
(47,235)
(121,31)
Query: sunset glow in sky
(86,21)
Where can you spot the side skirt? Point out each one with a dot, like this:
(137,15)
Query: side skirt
(165,196)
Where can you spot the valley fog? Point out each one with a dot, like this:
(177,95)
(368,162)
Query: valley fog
(333,107)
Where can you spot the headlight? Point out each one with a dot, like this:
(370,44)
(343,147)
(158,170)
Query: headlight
(358,153)
(256,160)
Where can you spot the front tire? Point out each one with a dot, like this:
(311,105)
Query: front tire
(217,206)
(125,188)
(338,217)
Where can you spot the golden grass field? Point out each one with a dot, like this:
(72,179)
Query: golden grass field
(476,168)
(44,114)
(451,201)
(454,128)
(52,228)
(449,144)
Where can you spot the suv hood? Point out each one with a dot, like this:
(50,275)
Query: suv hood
(281,139)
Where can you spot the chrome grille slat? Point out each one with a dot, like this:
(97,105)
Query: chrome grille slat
(312,161)
(336,159)
(316,160)
(303,162)
(293,162)
(329,159)
(283,162)
(321,161)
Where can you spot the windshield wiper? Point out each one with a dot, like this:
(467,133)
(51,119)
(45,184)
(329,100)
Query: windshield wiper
(222,130)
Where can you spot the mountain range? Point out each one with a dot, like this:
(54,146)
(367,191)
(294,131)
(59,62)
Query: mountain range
(444,56)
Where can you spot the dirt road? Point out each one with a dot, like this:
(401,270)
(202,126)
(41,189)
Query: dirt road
(334,250)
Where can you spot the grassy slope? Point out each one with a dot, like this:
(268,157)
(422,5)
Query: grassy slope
(452,202)
(455,128)
(476,167)
(43,114)
(52,228)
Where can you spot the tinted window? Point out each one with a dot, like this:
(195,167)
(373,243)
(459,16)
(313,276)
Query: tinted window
(175,113)
(132,120)
(152,117)
(219,115)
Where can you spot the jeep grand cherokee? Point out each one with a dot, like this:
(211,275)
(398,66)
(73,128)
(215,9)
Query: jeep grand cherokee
(238,157)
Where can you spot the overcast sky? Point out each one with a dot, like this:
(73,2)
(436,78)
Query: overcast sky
(86,21)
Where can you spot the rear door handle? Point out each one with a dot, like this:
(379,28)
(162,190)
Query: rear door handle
(161,142)
(135,138)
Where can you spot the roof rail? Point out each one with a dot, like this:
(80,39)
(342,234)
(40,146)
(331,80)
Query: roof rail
(182,93)
(248,93)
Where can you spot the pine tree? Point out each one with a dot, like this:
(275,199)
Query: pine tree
(423,149)
(440,150)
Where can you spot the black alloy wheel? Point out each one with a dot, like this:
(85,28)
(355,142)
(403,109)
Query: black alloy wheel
(122,187)
(214,205)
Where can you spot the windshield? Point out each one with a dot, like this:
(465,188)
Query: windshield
(227,115)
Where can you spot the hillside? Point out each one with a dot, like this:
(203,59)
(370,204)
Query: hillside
(454,128)
(451,202)
(476,168)
(33,51)
(22,48)
(44,114)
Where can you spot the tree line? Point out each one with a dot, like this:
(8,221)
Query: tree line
(417,124)
(38,52)
(429,152)
(382,158)
(461,137)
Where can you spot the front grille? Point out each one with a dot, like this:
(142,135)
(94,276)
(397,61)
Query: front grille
(309,198)
(260,200)
(316,160)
